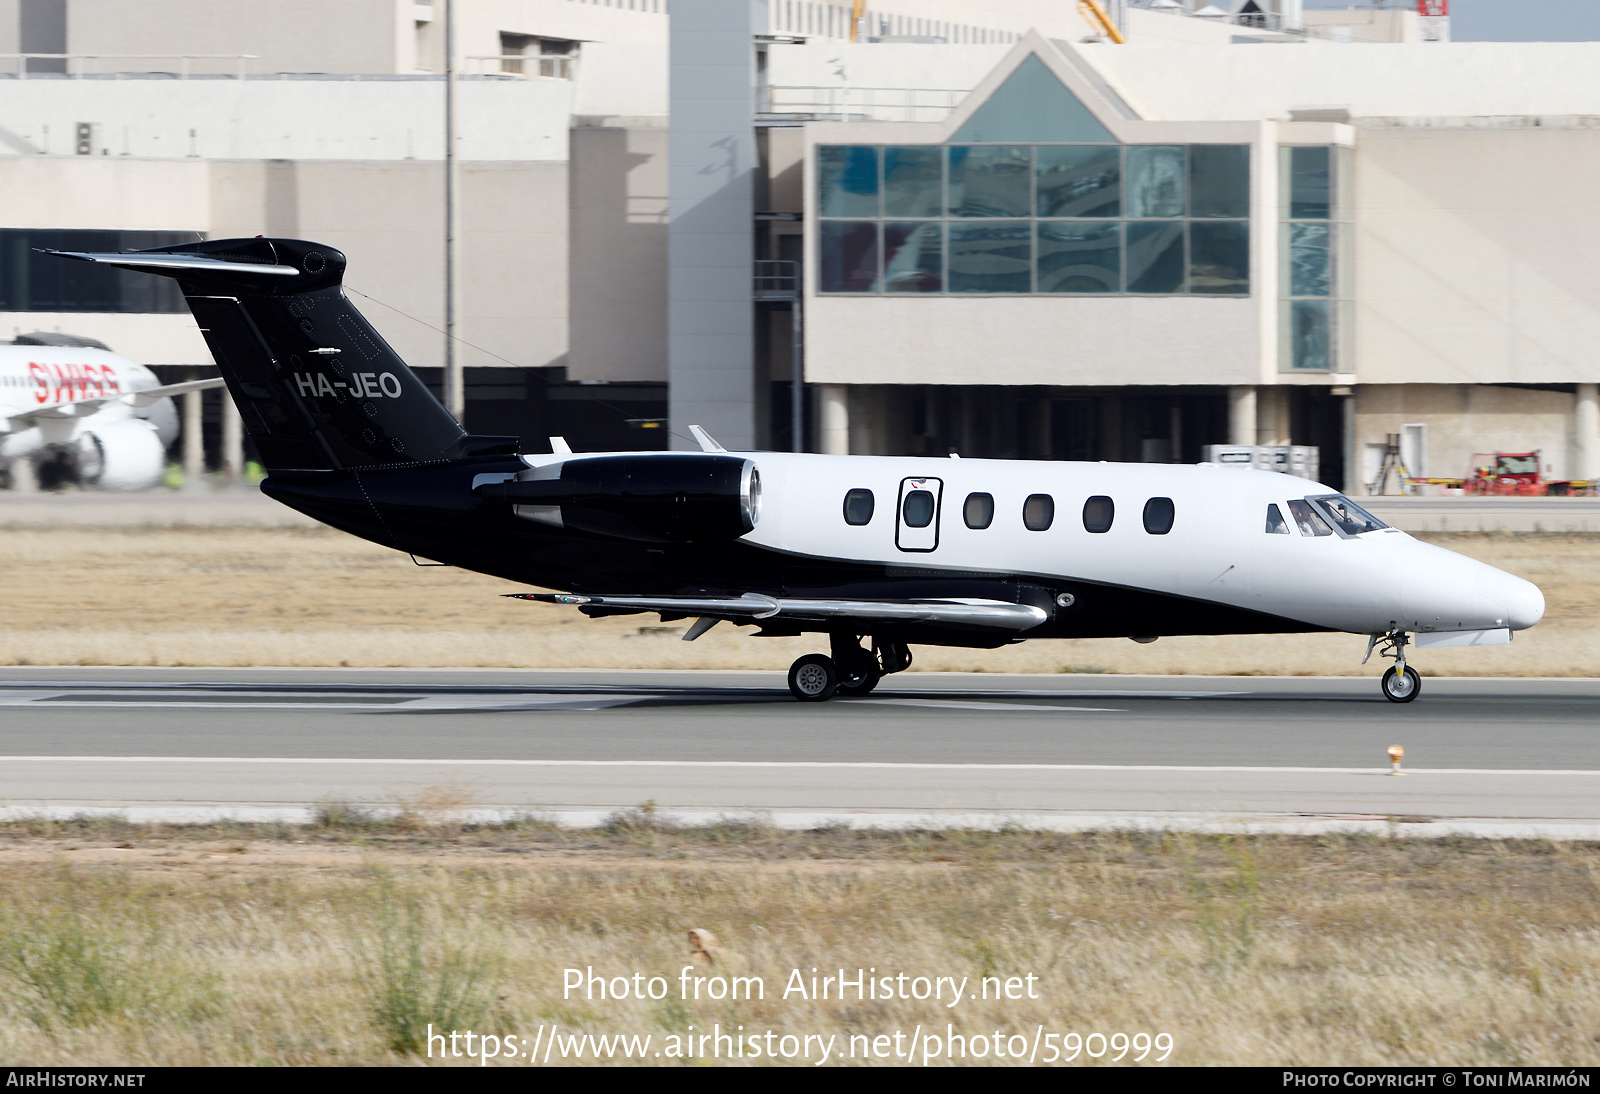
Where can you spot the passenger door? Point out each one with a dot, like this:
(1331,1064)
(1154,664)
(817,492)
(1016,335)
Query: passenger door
(916,521)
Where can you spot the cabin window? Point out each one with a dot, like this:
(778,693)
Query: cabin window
(1098,513)
(978,512)
(1039,512)
(1276,526)
(1158,516)
(1306,517)
(858,506)
(917,510)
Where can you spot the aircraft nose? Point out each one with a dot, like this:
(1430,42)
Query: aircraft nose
(1521,600)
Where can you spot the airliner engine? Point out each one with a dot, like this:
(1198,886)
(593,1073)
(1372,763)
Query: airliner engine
(125,454)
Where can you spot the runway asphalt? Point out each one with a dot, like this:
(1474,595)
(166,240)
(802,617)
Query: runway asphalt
(1510,757)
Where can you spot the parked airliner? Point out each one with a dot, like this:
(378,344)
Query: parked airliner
(106,420)
(893,551)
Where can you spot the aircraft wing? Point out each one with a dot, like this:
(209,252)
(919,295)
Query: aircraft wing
(82,408)
(755,608)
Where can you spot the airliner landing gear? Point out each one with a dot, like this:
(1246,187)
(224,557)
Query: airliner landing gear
(1400,682)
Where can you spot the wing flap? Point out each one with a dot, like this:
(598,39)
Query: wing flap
(986,614)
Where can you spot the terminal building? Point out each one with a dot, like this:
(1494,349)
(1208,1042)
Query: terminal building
(987,228)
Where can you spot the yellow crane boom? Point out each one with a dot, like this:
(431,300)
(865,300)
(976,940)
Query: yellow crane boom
(1096,16)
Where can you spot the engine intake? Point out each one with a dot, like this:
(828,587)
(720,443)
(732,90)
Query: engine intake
(666,498)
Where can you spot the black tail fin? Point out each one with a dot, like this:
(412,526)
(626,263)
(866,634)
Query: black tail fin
(317,386)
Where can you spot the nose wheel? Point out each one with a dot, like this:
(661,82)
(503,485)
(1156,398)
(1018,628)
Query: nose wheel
(1401,684)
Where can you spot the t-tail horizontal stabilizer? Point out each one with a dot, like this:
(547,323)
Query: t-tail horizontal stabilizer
(318,388)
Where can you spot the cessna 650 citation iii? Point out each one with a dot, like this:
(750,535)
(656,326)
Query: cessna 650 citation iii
(895,551)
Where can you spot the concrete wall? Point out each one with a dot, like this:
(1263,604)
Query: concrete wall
(341,119)
(712,162)
(1475,255)
(102,192)
(1032,340)
(288,35)
(388,219)
(1425,80)
(1463,419)
(619,254)
(341,36)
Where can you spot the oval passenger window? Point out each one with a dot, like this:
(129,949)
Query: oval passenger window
(1098,513)
(979,510)
(1158,516)
(918,508)
(1039,512)
(858,507)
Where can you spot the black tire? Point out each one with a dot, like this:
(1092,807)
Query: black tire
(813,679)
(1398,688)
(858,673)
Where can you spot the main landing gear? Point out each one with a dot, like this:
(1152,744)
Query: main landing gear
(852,671)
(1400,682)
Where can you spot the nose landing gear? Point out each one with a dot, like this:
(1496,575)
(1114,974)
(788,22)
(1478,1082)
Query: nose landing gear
(1400,682)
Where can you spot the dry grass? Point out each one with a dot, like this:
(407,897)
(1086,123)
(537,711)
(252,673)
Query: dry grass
(307,597)
(245,945)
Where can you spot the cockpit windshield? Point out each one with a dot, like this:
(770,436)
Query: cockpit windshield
(1347,516)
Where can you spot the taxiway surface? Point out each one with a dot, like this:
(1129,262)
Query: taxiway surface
(1061,751)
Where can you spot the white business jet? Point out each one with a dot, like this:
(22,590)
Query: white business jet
(896,551)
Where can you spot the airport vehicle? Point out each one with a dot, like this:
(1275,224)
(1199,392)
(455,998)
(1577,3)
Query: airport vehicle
(896,551)
(86,415)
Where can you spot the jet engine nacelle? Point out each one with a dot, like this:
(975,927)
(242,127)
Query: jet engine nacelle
(121,455)
(654,498)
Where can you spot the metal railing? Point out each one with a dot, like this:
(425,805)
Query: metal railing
(73,63)
(777,279)
(879,104)
(538,66)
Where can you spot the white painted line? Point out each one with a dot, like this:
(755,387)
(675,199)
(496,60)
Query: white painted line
(961,704)
(798,764)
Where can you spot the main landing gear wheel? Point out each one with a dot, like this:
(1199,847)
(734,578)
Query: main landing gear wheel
(813,678)
(858,672)
(1401,684)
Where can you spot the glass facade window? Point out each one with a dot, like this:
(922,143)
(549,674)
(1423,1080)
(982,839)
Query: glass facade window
(1155,181)
(990,180)
(1054,219)
(991,257)
(1079,181)
(35,282)
(913,256)
(1079,256)
(1219,257)
(847,177)
(1155,257)
(913,182)
(1313,272)
(849,255)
